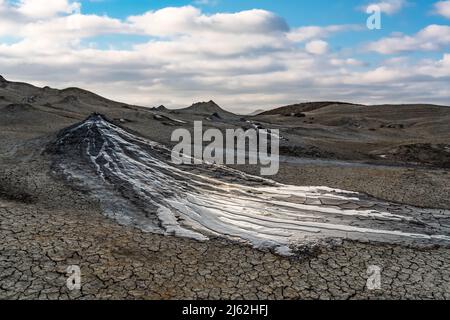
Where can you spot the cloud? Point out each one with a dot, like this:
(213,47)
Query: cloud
(187,20)
(46,8)
(431,38)
(389,7)
(314,32)
(347,62)
(243,60)
(318,47)
(55,21)
(443,8)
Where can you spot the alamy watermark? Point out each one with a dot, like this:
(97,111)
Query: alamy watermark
(236,147)
(73,281)
(374,280)
(374,20)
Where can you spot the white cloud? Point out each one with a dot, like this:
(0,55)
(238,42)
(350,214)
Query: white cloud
(244,60)
(46,8)
(431,38)
(443,8)
(314,32)
(188,20)
(318,47)
(347,62)
(389,7)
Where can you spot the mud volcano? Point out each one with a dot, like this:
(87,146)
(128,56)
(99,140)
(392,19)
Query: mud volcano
(137,185)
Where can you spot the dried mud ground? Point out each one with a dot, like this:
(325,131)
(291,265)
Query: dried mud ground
(45,226)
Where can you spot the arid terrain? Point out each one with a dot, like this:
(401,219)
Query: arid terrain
(55,212)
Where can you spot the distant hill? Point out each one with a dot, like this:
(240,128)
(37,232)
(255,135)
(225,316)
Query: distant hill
(78,102)
(301,107)
(256,112)
(161,108)
(206,109)
(408,133)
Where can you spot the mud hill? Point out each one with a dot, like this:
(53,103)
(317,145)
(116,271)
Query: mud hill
(256,112)
(209,108)
(405,134)
(300,107)
(161,109)
(409,133)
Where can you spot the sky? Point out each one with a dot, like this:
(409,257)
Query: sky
(243,54)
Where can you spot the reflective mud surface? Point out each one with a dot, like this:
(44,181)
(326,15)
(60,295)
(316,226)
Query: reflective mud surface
(137,185)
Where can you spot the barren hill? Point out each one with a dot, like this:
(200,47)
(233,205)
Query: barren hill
(207,109)
(301,107)
(415,133)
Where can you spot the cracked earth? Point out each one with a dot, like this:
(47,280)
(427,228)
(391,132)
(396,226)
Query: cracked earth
(45,227)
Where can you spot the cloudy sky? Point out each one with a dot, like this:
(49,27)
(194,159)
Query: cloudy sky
(245,55)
